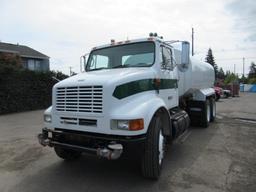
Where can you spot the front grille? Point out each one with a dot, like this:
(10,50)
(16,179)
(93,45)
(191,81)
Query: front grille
(80,99)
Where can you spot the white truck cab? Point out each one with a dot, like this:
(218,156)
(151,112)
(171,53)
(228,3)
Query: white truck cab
(141,92)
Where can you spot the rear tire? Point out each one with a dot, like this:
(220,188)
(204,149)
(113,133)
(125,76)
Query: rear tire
(199,113)
(67,154)
(206,113)
(154,150)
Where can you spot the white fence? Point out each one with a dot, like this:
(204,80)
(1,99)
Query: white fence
(248,87)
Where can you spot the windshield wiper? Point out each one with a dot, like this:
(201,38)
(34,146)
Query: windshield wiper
(120,66)
(138,65)
(98,69)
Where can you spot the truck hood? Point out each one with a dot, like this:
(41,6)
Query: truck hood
(108,77)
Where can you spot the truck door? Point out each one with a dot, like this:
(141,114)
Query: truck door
(169,86)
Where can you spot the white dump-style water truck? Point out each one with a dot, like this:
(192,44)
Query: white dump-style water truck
(142,93)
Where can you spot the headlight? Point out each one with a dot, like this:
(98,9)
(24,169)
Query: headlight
(129,125)
(123,124)
(47,118)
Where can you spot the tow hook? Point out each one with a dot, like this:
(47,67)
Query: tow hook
(43,140)
(111,152)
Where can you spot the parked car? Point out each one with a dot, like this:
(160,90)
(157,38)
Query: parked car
(226,93)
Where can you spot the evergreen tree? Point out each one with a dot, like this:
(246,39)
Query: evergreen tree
(252,72)
(221,74)
(243,79)
(210,59)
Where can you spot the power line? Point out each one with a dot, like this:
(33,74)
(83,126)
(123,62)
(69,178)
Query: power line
(224,59)
(245,26)
(228,50)
(244,18)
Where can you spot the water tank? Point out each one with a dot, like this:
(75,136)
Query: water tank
(197,75)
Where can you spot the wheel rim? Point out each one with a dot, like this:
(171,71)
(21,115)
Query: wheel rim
(161,147)
(214,109)
(208,112)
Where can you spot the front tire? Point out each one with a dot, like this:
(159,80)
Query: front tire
(67,154)
(154,150)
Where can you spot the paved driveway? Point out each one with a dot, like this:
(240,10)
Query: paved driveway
(219,158)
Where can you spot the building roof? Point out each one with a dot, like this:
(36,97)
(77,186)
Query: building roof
(22,50)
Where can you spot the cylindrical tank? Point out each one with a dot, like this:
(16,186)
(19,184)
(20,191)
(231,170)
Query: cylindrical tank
(198,75)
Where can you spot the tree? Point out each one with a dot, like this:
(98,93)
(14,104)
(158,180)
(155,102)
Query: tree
(230,78)
(252,72)
(221,74)
(10,60)
(210,59)
(243,79)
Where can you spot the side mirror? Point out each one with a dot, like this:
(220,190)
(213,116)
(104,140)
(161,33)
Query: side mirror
(83,62)
(185,53)
(84,57)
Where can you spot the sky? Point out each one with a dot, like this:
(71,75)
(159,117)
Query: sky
(66,29)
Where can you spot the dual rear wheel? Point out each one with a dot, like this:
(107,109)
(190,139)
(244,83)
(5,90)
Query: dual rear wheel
(201,113)
(208,112)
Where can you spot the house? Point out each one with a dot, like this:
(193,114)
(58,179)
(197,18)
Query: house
(30,58)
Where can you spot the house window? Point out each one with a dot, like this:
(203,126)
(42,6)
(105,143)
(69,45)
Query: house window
(34,65)
(31,64)
(37,65)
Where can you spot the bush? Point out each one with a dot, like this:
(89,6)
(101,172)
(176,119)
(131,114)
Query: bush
(230,78)
(252,80)
(23,90)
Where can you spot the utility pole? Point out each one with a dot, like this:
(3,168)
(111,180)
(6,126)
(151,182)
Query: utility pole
(243,65)
(233,83)
(192,41)
(70,72)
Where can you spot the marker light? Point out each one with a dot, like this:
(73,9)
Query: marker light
(136,125)
(112,41)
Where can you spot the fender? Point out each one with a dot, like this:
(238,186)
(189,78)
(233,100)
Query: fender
(142,107)
(202,94)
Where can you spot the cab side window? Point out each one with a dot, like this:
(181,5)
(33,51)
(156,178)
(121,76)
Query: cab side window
(167,58)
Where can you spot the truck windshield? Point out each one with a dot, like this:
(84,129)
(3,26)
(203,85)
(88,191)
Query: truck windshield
(140,54)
